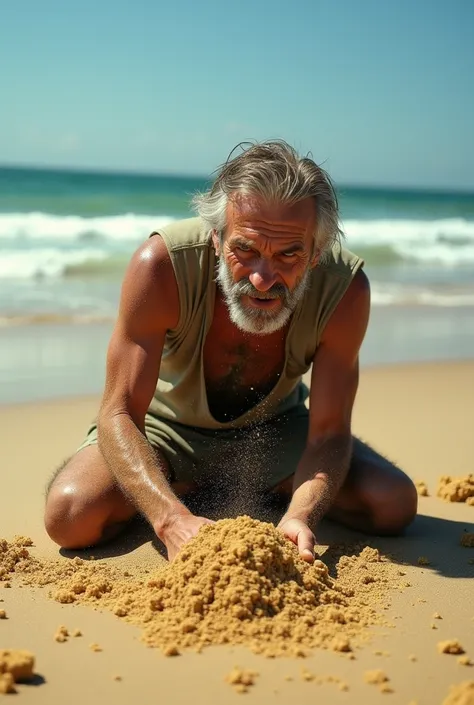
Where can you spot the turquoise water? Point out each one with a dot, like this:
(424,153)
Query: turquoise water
(65,239)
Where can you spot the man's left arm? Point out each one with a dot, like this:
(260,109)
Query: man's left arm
(334,380)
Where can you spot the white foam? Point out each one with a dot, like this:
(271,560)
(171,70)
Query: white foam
(44,226)
(396,294)
(449,242)
(34,245)
(44,262)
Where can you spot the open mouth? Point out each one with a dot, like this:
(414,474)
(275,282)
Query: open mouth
(264,302)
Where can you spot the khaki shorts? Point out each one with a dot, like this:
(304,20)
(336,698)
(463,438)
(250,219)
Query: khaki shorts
(259,456)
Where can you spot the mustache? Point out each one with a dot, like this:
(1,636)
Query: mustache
(245,288)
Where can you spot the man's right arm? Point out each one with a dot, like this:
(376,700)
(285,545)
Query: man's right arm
(149,307)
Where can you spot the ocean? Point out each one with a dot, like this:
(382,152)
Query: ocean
(66,238)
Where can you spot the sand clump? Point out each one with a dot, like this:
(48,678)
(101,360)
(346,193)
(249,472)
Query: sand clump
(450,646)
(467,539)
(15,666)
(421,488)
(239,581)
(13,555)
(461,694)
(241,679)
(457,489)
(379,678)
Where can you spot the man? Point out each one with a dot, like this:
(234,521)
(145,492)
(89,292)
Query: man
(219,318)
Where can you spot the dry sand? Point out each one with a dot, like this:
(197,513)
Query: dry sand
(420,415)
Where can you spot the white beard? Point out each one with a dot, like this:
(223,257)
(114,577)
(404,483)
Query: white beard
(254,320)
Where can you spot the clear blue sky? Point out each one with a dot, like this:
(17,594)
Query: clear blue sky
(381,91)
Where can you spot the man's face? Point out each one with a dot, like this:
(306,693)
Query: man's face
(265,260)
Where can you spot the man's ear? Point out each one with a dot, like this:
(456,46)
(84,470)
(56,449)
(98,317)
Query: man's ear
(216,241)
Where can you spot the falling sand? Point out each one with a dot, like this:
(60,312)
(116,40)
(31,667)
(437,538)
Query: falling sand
(239,581)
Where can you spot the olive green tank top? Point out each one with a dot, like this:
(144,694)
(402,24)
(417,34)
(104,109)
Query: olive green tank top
(181,389)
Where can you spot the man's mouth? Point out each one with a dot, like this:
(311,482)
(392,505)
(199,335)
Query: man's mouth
(263,302)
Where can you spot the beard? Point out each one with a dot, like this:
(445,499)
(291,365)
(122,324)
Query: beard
(254,320)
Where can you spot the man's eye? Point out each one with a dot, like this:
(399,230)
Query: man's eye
(288,254)
(243,248)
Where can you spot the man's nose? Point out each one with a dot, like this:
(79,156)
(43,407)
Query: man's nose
(263,277)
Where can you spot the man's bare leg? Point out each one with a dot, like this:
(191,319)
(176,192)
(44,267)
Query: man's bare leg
(376,498)
(84,505)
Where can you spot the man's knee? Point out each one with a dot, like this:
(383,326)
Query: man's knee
(394,503)
(72,518)
(64,512)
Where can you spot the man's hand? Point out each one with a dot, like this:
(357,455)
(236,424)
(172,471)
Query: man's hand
(179,531)
(301,535)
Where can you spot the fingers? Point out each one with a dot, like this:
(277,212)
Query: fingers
(305,542)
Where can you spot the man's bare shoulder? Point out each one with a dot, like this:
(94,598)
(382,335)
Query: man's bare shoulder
(351,316)
(149,288)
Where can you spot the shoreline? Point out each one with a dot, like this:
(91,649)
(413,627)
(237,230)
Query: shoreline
(66,319)
(52,360)
(391,368)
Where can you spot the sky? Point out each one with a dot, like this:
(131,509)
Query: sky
(380,92)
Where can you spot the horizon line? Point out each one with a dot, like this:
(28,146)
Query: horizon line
(111,172)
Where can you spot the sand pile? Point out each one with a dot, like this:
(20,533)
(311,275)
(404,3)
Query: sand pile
(12,555)
(240,581)
(457,489)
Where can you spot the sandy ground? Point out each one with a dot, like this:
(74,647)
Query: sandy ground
(419,415)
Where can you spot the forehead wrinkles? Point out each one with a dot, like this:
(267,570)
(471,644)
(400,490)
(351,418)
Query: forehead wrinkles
(254,213)
(269,228)
(269,236)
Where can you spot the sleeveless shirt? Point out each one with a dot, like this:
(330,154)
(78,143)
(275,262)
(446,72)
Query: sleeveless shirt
(180,394)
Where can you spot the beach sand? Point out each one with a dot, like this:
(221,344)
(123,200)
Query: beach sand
(418,415)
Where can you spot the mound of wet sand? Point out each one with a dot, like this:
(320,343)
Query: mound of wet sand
(240,581)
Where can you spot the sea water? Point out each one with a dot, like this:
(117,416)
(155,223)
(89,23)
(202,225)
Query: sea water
(66,237)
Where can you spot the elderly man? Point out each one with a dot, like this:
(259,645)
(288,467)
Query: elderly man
(219,318)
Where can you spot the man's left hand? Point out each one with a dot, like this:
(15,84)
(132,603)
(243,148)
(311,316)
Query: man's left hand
(301,535)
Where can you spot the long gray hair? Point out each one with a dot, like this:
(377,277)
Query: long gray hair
(274,171)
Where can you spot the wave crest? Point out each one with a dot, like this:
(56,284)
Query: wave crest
(40,245)
(44,226)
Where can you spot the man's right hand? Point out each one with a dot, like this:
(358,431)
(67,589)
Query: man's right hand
(179,531)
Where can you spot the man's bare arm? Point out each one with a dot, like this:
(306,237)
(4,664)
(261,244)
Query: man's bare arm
(335,375)
(149,306)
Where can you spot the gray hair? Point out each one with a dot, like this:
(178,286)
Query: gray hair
(274,171)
